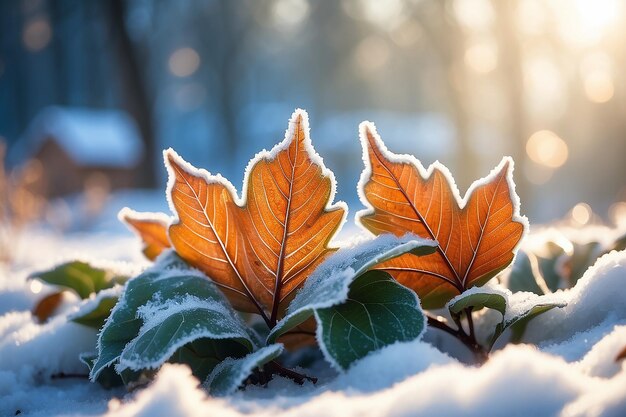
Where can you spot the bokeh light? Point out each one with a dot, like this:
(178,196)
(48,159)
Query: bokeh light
(36,286)
(184,62)
(599,86)
(482,57)
(581,213)
(287,14)
(37,34)
(371,54)
(547,148)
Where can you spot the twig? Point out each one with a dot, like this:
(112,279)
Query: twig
(275,368)
(469,341)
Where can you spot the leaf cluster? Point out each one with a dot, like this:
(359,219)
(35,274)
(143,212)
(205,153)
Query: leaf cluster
(238,281)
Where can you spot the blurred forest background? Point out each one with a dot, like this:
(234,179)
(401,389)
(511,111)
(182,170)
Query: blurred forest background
(461,81)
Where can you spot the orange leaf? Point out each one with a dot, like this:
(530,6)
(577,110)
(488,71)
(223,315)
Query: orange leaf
(261,248)
(45,308)
(151,228)
(477,236)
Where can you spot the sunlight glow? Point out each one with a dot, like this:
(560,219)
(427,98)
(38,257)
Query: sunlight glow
(585,22)
(547,148)
(184,62)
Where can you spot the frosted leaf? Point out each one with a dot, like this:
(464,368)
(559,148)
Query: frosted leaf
(229,375)
(170,324)
(168,279)
(330,283)
(95,310)
(328,295)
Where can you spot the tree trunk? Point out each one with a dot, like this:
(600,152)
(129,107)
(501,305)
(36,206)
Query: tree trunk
(135,97)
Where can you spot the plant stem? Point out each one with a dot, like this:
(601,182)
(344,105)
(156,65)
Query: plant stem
(275,368)
(469,341)
(470,323)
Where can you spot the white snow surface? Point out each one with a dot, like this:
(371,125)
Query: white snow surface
(571,372)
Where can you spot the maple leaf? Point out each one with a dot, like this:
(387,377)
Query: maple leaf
(150,227)
(261,248)
(477,236)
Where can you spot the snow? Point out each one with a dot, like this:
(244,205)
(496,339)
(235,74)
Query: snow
(107,138)
(599,295)
(572,372)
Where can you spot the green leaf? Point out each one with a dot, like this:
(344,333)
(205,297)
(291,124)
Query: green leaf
(109,378)
(477,298)
(203,355)
(518,325)
(170,324)
(80,277)
(93,312)
(329,284)
(229,375)
(583,256)
(155,297)
(518,320)
(522,278)
(378,312)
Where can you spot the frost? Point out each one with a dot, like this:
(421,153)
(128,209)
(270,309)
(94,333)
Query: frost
(169,325)
(92,303)
(263,155)
(404,379)
(329,284)
(230,373)
(366,126)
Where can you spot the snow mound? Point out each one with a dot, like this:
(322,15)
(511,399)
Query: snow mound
(550,388)
(597,299)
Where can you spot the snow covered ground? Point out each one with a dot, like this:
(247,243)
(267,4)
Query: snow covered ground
(571,372)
